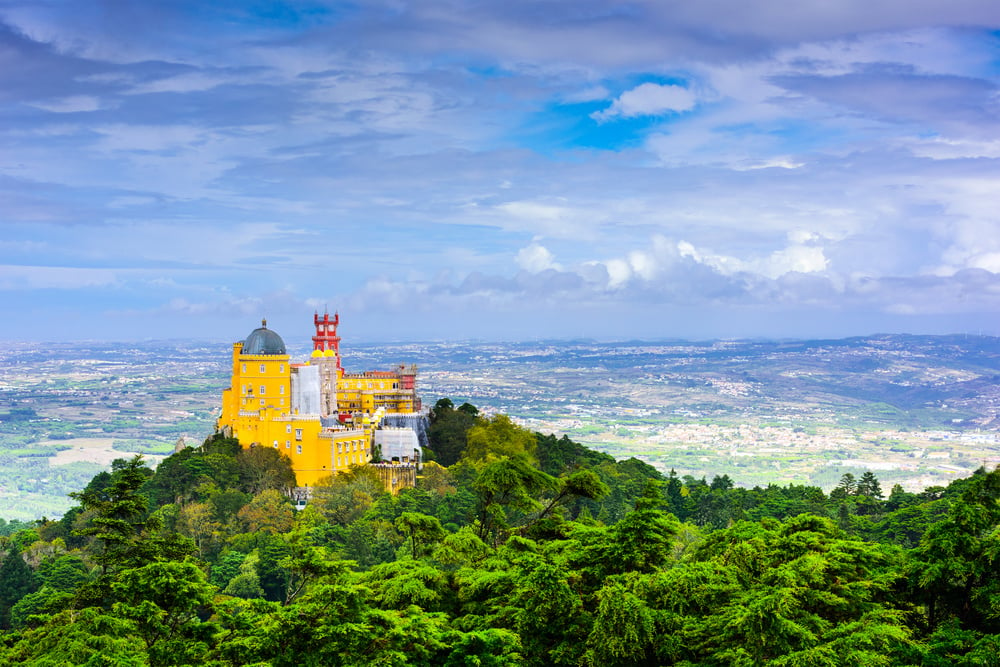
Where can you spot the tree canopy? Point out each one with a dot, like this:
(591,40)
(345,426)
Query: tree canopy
(516,548)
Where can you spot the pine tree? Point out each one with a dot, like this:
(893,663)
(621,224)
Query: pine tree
(17,579)
(847,486)
(119,515)
(868,486)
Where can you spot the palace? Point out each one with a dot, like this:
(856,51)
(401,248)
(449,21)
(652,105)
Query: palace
(324,419)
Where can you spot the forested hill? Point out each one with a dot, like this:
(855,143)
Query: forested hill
(516,548)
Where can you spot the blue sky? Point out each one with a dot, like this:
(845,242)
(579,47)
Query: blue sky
(499,170)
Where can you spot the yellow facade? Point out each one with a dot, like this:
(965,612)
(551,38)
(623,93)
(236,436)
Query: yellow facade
(258,408)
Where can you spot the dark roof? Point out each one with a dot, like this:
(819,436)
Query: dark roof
(263,341)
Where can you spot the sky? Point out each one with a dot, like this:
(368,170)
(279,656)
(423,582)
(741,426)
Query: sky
(455,170)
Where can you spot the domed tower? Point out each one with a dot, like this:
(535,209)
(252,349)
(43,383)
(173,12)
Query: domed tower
(261,378)
(264,342)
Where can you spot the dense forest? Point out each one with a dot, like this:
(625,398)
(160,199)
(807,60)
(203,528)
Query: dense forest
(515,548)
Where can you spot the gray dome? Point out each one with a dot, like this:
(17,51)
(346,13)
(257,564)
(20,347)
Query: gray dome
(263,341)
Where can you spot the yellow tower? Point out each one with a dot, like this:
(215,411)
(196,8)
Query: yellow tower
(261,377)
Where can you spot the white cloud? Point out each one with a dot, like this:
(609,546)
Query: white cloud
(591,94)
(795,258)
(648,99)
(643,264)
(189,82)
(131,200)
(14,277)
(619,272)
(124,137)
(638,266)
(72,104)
(800,236)
(557,218)
(536,258)
(940,148)
(534,210)
(989,261)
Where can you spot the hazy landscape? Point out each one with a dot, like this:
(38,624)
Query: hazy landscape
(917,410)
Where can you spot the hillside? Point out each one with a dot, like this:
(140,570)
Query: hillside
(526,550)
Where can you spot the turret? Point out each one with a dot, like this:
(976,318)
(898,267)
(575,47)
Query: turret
(326,339)
(326,355)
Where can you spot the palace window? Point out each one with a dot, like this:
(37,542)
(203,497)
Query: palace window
(298,449)
(281,368)
(288,428)
(262,390)
(287,444)
(263,368)
(243,368)
(298,434)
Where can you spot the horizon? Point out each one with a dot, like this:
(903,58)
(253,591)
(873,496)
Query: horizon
(464,170)
(304,346)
